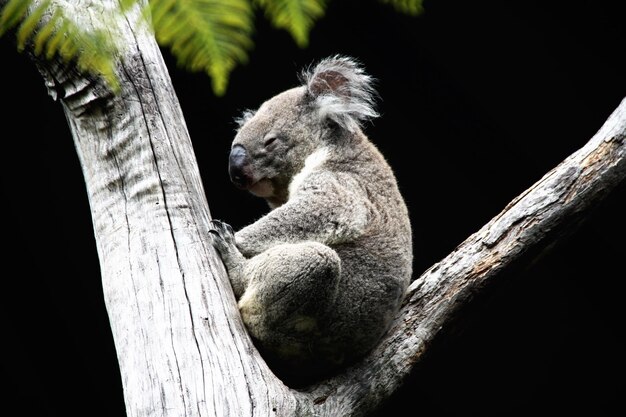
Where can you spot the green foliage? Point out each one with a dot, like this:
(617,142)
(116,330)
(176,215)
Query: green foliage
(12,14)
(295,16)
(125,5)
(410,7)
(205,35)
(213,36)
(58,35)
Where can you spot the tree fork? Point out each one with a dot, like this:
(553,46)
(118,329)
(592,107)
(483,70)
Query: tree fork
(182,348)
(547,211)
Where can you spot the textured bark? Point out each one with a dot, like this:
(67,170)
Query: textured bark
(182,348)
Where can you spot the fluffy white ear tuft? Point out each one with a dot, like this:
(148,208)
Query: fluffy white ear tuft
(341,91)
(243,118)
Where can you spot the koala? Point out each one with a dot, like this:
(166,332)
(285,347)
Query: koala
(320,277)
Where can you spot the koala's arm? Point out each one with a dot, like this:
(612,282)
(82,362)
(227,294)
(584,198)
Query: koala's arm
(329,211)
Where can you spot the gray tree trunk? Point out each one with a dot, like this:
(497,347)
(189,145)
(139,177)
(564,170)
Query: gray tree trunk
(181,345)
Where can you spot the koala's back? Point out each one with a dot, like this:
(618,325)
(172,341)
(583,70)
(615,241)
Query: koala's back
(376,265)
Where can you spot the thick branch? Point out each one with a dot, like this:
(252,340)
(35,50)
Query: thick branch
(540,215)
(181,345)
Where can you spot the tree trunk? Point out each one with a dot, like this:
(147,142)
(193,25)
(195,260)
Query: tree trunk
(182,348)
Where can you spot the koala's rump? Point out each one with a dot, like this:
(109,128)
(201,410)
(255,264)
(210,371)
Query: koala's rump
(370,291)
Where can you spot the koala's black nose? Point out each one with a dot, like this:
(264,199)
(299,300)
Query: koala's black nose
(239,167)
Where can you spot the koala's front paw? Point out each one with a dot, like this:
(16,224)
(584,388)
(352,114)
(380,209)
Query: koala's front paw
(223,239)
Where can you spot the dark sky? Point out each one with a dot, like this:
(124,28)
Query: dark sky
(478,100)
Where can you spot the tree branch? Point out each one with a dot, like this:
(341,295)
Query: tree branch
(541,215)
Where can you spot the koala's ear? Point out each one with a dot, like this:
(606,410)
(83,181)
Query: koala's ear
(341,91)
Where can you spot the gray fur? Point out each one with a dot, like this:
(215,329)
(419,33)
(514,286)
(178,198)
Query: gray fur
(320,277)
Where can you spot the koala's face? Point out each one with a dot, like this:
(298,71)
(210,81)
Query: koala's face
(272,144)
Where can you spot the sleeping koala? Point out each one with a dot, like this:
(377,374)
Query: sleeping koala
(320,277)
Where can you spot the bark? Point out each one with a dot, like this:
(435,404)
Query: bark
(182,348)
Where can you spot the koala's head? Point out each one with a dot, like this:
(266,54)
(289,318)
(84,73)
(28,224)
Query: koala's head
(272,143)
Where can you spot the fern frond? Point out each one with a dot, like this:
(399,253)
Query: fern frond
(205,35)
(58,35)
(44,33)
(12,14)
(410,7)
(30,23)
(295,16)
(125,5)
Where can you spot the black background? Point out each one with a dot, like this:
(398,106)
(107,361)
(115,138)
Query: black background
(478,99)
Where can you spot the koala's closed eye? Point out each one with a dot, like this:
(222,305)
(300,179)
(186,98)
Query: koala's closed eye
(269,140)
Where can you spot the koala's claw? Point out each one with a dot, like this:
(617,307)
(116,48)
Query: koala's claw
(223,239)
(221,227)
(223,230)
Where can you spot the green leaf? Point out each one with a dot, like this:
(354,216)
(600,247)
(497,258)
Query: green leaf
(410,7)
(295,16)
(13,13)
(29,24)
(53,44)
(45,33)
(127,4)
(205,35)
(93,51)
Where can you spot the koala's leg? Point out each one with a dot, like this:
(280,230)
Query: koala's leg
(284,292)
(290,288)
